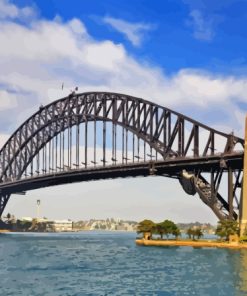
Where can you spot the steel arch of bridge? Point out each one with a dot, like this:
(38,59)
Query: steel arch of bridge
(174,143)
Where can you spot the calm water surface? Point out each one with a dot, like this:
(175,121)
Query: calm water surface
(103,263)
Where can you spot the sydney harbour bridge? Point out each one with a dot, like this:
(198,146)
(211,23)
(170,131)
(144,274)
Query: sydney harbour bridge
(99,135)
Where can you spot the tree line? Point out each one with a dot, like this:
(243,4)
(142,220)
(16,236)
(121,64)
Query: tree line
(224,229)
(167,227)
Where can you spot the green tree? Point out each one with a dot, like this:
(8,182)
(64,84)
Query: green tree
(244,236)
(167,227)
(8,218)
(194,232)
(225,228)
(23,225)
(146,226)
(198,232)
(176,232)
(160,229)
(190,233)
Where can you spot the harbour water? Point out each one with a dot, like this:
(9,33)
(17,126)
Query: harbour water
(109,263)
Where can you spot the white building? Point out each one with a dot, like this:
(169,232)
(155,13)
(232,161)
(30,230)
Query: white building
(27,219)
(60,225)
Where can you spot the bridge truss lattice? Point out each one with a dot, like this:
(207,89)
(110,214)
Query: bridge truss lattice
(101,135)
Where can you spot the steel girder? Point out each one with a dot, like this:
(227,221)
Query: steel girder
(208,189)
(170,134)
(4,198)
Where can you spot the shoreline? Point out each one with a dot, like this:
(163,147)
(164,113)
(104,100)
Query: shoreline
(181,243)
(4,231)
(71,231)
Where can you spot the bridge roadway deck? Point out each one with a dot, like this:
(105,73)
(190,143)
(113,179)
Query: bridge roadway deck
(169,168)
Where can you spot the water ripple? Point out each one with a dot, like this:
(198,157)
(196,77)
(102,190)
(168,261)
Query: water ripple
(103,263)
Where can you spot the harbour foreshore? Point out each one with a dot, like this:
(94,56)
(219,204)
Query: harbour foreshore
(188,243)
(4,230)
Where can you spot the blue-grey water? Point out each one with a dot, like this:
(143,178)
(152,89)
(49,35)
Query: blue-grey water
(109,263)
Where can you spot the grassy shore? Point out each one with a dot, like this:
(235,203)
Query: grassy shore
(191,243)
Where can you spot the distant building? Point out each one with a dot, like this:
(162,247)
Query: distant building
(129,227)
(120,227)
(108,224)
(29,219)
(59,225)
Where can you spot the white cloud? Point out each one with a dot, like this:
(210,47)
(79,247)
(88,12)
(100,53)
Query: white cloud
(37,59)
(7,100)
(3,139)
(11,11)
(103,56)
(201,88)
(44,41)
(203,28)
(134,32)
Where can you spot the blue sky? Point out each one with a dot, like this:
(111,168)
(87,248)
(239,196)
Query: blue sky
(186,55)
(183,34)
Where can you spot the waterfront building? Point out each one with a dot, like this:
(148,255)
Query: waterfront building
(27,219)
(120,227)
(59,225)
(43,225)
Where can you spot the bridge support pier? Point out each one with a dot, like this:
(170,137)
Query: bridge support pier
(243,201)
(3,202)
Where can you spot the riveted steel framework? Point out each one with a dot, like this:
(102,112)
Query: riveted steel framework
(106,135)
